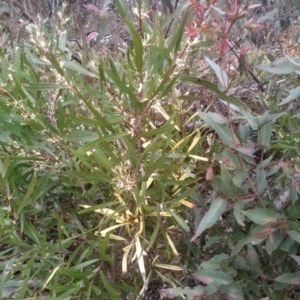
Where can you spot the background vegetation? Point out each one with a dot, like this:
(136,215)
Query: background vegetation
(161,162)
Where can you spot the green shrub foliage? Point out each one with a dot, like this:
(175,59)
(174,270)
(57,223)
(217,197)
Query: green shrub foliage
(132,168)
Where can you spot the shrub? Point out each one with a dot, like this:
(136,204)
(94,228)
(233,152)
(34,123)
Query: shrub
(115,177)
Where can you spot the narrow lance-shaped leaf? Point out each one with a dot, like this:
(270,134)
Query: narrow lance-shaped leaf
(211,217)
(138,46)
(201,82)
(41,86)
(222,76)
(279,66)
(123,9)
(293,94)
(29,192)
(79,69)
(140,258)
(176,38)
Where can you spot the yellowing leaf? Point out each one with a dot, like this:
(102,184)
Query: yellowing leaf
(140,258)
(172,245)
(187,203)
(168,267)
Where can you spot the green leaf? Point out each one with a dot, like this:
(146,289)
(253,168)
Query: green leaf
(215,262)
(40,86)
(294,235)
(80,136)
(296,258)
(262,215)
(290,278)
(123,9)
(202,44)
(267,16)
(222,76)
(70,272)
(293,94)
(98,176)
(175,40)
(274,241)
(85,264)
(29,192)
(235,292)
(138,47)
(223,130)
(124,88)
(63,287)
(201,82)
(279,66)
(180,221)
(262,183)
(108,286)
(166,128)
(155,231)
(31,232)
(265,134)
(213,277)
(237,211)
(252,257)
(79,69)
(211,217)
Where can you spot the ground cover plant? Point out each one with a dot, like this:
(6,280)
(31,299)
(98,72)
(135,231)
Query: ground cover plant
(134,174)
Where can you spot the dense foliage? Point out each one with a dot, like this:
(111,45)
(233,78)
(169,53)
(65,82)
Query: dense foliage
(135,174)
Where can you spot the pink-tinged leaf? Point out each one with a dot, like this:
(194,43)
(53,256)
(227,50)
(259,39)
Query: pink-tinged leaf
(267,230)
(211,217)
(295,184)
(92,7)
(215,277)
(235,293)
(226,160)
(209,173)
(253,6)
(191,30)
(252,257)
(284,197)
(290,278)
(245,50)
(282,164)
(224,45)
(91,36)
(247,149)
(172,293)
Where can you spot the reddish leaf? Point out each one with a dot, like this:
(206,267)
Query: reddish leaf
(224,45)
(282,164)
(92,7)
(91,36)
(245,50)
(192,31)
(226,160)
(209,173)
(253,6)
